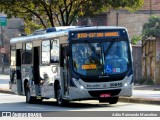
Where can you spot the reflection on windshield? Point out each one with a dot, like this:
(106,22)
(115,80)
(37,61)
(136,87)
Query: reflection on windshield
(87,58)
(100,58)
(116,57)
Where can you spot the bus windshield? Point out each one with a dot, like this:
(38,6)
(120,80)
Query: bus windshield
(105,58)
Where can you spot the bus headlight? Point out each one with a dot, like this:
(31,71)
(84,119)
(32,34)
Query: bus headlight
(128,80)
(77,83)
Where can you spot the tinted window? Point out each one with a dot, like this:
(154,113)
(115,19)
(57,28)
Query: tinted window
(87,58)
(116,57)
(105,58)
(27,53)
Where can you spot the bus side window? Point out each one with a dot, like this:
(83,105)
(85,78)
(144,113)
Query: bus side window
(27,53)
(45,52)
(13,55)
(55,51)
(23,54)
(13,63)
(63,58)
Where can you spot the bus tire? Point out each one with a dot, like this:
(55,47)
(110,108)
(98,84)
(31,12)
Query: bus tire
(113,100)
(103,100)
(39,101)
(29,99)
(60,100)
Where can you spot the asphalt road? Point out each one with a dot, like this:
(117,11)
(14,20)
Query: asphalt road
(9,102)
(141,94)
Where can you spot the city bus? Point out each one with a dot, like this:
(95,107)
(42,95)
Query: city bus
(71,63)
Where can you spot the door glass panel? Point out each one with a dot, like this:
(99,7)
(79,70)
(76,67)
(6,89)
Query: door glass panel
(46,52)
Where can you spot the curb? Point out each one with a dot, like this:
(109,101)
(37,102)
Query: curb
(121,99)
(7,91)
(140,100)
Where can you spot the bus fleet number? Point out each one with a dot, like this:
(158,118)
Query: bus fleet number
(113,85)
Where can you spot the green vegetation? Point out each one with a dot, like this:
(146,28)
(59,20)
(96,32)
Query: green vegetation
(50,13)
(152,27)
(145,81)
(135,39)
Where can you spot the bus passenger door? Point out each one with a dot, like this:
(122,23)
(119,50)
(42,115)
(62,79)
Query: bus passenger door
(18,71)
(36,74)
(64,65)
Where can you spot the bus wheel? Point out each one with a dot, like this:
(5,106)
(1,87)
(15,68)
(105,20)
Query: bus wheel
(113,100)
(29,98)
(39,101)
(60,100)
(103,100)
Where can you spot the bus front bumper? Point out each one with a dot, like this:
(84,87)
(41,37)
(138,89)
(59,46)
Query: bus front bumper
(80,94)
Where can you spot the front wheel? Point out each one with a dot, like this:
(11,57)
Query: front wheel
(29,99)
(60,100)
(113,100)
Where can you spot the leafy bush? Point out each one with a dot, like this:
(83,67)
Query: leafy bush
(135,39)
(145,81)
(152,27)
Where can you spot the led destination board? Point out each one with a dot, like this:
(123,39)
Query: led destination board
(97,35)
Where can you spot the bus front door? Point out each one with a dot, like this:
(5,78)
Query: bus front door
(18,71)
(65,67)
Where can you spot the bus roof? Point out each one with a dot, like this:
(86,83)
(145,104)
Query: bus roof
(58,32)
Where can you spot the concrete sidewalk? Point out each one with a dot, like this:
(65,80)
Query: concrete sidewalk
(4,83)
(147,94)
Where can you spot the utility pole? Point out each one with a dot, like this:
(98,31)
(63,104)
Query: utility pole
(2,46)
(150,7)
(2,23)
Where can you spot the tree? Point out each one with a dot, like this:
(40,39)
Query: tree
(152,27)
(135,39)
(62,12)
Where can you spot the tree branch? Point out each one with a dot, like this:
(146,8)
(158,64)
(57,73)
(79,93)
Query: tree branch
(36,14)
(49,14)
(61,13)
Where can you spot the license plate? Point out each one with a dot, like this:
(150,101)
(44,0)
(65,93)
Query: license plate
(105,95)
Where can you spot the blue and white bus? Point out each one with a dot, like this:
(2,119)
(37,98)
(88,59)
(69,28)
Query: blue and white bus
(72,63)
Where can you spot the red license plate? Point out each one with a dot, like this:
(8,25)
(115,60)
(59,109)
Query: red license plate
(105,95)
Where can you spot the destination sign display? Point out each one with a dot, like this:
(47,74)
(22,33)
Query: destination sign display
(97,35)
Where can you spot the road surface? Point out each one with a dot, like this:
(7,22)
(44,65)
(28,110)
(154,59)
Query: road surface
(17,103)
(92,108)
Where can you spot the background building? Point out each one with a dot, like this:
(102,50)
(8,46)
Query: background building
(13,29)
(132,21)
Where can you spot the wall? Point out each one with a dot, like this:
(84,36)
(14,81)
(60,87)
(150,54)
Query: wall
(137,62)
(11,30)
(151,60)
(98,20)
(132,21)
